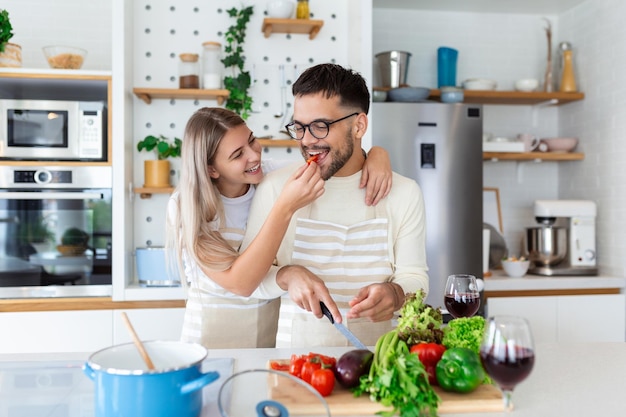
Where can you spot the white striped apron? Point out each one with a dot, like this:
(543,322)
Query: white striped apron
(347,258)
(218,319)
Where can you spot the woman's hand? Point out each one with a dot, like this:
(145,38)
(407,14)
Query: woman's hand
(302,188)
(376,175)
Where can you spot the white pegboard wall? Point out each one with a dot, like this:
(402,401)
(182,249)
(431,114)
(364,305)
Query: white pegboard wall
(163,30)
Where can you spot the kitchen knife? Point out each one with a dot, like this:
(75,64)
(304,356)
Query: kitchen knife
(343,329)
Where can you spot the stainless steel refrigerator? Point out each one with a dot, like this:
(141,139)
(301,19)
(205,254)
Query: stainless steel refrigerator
(439,145)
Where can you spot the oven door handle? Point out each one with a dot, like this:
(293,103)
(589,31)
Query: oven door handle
(29,195)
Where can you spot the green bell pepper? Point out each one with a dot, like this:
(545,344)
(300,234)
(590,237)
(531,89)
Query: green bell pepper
(459,370)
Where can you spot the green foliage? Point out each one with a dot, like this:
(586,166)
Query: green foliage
(398,379)
(162,146)
(5,29)
(464,332)
(239,82)
(74,237)
(35,230)
(418,321)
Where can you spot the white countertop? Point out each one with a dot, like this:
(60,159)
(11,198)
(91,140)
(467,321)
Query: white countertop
(567,380)
(499,281)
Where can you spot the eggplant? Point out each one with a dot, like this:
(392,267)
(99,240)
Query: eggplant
(352,365)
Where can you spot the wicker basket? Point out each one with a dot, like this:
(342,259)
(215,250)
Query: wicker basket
(70,250)
(12,56)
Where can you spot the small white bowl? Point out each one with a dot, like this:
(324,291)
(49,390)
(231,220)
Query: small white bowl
(515,269)
(479,84)
(560,144)
(281,9)
(527,84)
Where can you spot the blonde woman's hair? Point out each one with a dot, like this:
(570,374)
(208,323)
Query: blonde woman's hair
(192,227)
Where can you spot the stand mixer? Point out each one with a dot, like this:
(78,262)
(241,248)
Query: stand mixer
(565,241)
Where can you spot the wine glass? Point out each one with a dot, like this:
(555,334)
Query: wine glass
(461,297)
(507,353)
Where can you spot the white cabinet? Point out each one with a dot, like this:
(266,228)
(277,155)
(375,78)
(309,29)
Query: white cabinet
(55,331)
(568,318)
(84,331)
(149,324)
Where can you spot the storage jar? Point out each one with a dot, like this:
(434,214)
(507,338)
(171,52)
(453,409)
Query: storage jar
(302,10)
(212,65)
(188,71)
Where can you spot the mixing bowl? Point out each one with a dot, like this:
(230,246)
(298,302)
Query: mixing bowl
(546,245)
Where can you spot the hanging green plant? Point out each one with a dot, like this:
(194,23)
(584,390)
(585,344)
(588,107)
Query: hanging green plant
(239,81)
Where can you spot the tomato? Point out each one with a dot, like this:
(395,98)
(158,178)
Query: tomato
(308,368)
(295,366)
(429,354)
(279,366)
(323,380)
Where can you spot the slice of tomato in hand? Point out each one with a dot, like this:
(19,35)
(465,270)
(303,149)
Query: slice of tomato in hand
(295,366)
(323,380)
(308,368)
(279,366)
(314,158)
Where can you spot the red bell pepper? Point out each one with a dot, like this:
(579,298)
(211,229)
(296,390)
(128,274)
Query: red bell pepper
(429,354)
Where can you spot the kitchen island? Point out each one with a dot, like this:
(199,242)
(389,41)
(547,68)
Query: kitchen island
(569,379)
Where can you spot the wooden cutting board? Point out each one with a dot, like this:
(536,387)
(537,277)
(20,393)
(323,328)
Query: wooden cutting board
(299,401)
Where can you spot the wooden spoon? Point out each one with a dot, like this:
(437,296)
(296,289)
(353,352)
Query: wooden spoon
(140,346)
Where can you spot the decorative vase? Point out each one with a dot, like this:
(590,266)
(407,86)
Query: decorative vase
(156,173)
(12,56)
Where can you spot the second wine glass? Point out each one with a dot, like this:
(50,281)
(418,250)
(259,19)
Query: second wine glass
(461,298)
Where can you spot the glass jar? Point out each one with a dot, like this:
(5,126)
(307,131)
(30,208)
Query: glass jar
(302,11)
(188,71)
(212,65)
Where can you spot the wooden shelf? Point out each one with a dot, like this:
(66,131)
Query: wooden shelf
(148,94)
(508,97)
(533,156)
(279,143)
(146,192)
(307,26)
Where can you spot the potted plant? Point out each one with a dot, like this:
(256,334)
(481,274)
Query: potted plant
(157,172)
(10,53)
(239,82)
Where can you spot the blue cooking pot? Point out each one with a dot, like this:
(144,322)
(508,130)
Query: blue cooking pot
(124,387)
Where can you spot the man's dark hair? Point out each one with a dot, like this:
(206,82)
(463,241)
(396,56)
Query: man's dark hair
(334,80)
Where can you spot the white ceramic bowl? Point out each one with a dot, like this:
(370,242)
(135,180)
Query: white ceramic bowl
(64,57)
(527,84)
(479,84)
(515,269)
(560,144)
(281,9)
(379,96)
(451,94)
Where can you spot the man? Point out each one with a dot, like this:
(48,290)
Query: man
(359,260)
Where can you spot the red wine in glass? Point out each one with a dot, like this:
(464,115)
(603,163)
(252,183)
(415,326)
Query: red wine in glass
(507,353)
(462,304)
(461,297)
(510,369)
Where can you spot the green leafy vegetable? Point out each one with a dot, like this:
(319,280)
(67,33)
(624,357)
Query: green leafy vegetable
(464,332)
(398,379)
(418,321)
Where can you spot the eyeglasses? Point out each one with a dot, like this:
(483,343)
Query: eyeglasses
(318,128)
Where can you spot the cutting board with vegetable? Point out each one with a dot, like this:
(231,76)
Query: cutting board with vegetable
(341,402)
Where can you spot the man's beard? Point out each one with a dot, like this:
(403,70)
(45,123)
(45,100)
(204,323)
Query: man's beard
(338,158)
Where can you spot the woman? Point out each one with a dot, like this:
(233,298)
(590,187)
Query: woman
(207,216)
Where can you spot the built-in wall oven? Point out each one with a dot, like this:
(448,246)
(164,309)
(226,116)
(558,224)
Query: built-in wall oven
(55,231)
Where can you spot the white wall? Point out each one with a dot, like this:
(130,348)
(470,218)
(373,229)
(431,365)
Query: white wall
(597,31)
(506,47)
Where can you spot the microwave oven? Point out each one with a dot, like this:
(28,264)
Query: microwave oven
(52,130)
